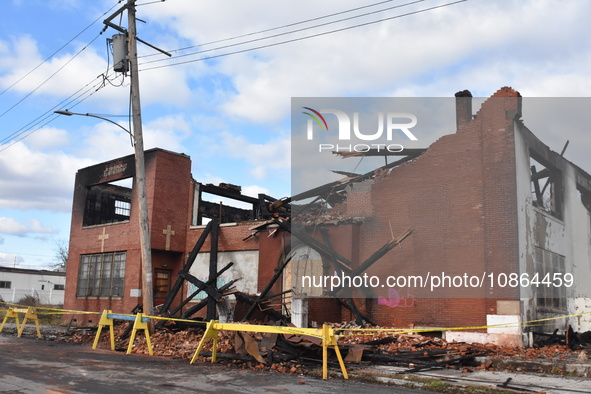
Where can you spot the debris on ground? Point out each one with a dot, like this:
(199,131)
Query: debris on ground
(296,354)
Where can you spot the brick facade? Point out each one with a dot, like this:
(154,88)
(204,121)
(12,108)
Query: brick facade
(170,193)
(459,197)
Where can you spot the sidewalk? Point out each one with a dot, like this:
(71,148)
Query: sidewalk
(519,382)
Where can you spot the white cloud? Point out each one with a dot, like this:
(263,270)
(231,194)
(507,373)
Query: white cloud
(275,154)
(37,180)
(254,190)
(47,138)
(167,132)
(22,54)
(10,226)
(477,45)
(104,141)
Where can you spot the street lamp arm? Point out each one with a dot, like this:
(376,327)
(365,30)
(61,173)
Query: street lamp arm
(70,113)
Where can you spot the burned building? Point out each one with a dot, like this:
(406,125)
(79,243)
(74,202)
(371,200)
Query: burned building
(489,199)
(104,257)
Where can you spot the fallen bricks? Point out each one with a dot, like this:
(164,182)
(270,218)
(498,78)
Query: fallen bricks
(300,354)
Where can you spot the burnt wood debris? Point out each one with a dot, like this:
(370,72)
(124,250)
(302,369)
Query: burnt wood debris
(413,352)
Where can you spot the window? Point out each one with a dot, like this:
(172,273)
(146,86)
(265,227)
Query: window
(122,208)
(58,287)
(306,262)
(107,203)
(101,275)
(225,202)
(5,284)
(549,297)
(546,187)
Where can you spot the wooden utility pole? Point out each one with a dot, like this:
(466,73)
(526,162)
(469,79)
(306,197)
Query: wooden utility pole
(140,168)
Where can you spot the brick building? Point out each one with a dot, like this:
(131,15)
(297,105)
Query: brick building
(104,254)
(488,199)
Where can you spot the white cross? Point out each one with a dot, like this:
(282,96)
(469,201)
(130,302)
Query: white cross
(168,232)
(102,237)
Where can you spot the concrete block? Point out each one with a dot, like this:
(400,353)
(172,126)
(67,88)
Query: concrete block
(513,324)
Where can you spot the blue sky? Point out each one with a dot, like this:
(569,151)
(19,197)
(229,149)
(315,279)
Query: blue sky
(231,113)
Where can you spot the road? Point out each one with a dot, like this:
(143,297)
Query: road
(30,365)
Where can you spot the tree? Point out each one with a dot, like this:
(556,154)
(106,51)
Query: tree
(61,255)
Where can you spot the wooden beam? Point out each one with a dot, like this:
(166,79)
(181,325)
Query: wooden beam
(213,266)
(186,268)
(267,288)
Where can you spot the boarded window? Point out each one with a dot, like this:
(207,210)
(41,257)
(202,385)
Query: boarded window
(305,263)
(101,275)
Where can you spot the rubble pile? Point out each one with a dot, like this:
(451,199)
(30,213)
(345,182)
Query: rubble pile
(297,354)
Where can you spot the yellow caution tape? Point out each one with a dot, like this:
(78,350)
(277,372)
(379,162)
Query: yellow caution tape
(409,330)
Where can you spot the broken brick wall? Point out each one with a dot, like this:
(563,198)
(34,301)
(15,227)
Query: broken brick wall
(460,198)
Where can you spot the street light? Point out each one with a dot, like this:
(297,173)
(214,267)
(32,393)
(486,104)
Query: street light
(70,113)
(142,200)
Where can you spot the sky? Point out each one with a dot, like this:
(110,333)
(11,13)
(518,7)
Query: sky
(224,96)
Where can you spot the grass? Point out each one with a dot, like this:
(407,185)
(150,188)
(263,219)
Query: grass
(428,384)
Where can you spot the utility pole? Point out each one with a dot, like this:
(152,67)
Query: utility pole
(140,168)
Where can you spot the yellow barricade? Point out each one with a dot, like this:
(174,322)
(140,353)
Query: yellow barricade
(105,321)
(12,315)
(140,323)
(326,333)
(30,314)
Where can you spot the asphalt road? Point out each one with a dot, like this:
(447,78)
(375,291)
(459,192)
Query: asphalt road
(30,365)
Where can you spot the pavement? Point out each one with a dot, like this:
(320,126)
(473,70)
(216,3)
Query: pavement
(29,365)
(518,382)
(558,376)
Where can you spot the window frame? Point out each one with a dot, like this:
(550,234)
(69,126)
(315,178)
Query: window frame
(101,275)
(549,298)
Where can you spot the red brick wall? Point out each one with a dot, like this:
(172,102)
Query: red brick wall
(460,199)
(170,196)
(168,183)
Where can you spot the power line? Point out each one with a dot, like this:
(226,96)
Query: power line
(51,76)
(307,37)
(292,31)
(54,53)
(64,102)
(27,129)
(274,28)
(48,116)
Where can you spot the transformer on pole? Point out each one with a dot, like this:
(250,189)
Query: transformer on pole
(120,53)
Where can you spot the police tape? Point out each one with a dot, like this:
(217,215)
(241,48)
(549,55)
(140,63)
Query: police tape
(297,331)
(359,331)
(326,333)
(57,310)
